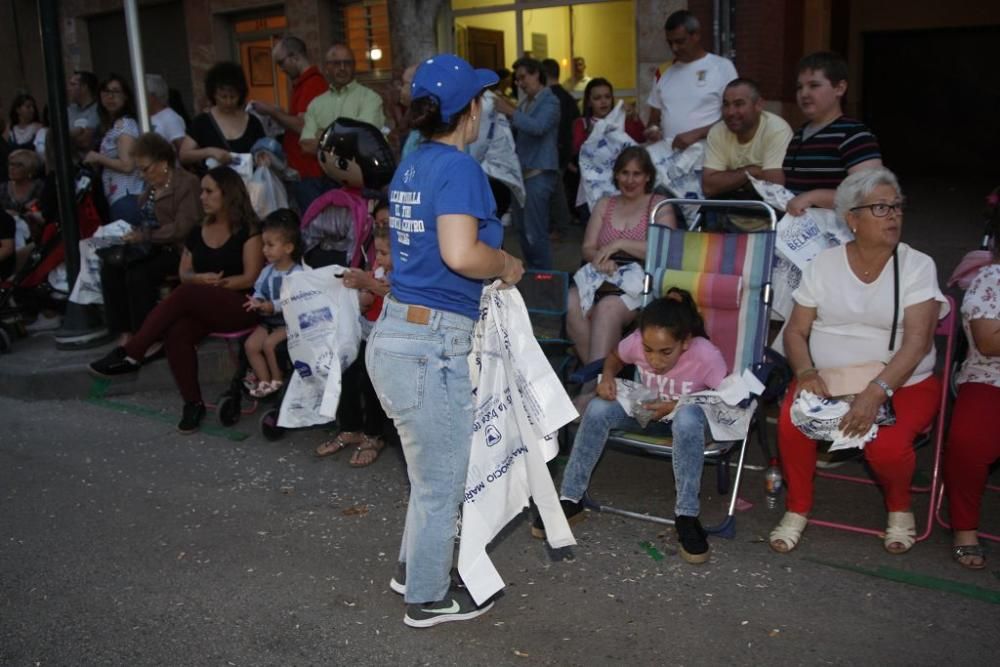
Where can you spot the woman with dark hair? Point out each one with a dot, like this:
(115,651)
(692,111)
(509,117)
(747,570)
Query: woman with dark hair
(24,122)
(226,127)
(119,130)
(615,236)
(221,261)
(168,211)
(445,243)
(598,102)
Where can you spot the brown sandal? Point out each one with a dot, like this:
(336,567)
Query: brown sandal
(367,452)
(343,440)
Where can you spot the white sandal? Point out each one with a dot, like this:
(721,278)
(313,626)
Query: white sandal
(788,532)
(902,530)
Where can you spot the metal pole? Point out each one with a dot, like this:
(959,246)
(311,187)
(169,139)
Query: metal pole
(135,56)
(48,27)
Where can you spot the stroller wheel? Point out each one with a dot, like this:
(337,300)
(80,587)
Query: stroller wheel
(6,341)
(228,410)
(269,426)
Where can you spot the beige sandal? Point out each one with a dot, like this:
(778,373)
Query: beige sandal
(367,452)
(786,534)
(344,439)
(901,531)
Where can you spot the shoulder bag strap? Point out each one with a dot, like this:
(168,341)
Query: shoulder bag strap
(895,299)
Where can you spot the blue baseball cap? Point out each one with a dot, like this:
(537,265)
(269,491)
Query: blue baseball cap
(452,81)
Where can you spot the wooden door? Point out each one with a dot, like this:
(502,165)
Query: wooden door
(486,48)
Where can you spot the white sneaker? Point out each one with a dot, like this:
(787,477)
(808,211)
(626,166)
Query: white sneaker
(44,324)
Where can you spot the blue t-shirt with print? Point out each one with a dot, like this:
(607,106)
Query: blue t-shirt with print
(435,180)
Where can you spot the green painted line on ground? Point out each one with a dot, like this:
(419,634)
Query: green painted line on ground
(99,389)
(653,552)
(916,579)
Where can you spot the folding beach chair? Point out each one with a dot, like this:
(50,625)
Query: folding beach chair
(729,276)
(936,433)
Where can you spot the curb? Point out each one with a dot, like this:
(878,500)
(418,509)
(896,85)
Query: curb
(36,370)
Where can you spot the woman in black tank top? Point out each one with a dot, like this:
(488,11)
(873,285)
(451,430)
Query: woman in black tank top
(221,261)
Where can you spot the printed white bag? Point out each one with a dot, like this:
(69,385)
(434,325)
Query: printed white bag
(520,405)
(598,153)
(798,240)
(321,316)
(495,150)
(680,172)
(87,288)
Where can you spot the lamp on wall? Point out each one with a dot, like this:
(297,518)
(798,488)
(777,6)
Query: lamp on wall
(375,53)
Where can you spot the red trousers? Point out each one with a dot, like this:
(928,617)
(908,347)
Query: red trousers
(183,320)
(890,454)
(973,446)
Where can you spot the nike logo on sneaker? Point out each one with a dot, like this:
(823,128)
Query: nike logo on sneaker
(453,608)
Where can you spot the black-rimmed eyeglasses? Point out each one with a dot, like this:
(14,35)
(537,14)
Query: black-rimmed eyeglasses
(881,210)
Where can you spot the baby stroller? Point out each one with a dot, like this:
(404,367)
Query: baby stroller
(337,229)
(29,290)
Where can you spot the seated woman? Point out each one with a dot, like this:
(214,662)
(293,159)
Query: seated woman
(974,438)
(168,210)
(844,315)
(615,235)
(19,196)
(24,123)
(674,357)
(226,127)
(221,262)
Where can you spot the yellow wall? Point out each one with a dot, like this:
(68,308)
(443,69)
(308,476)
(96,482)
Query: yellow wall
(604,34)
(553,22)
(499,21)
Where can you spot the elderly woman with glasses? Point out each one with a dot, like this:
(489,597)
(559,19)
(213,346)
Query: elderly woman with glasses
(119,130)
(168,210)
(874,299)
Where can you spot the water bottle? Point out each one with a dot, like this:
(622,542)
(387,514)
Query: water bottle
(773,482)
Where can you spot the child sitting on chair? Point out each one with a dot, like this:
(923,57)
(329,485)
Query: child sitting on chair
(360,416)
(674,357)
(282,249)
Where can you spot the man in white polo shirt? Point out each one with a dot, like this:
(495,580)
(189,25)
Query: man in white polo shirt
(687,98)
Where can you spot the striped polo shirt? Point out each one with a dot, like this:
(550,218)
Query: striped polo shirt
(822,160)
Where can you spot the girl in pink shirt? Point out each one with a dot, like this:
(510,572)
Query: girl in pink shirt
(674,357)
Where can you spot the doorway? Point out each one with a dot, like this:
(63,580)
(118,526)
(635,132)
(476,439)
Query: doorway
(255,40)
(485,48)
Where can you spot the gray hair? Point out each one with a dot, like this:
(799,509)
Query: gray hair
(857,186)
(682,18)
(293,46)
(157,86)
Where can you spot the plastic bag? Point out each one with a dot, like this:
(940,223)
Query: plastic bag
(631,396)
(271,193)
(495,150)
(598,153)
(520,405)
(87,288)
(324,334)
(680,172)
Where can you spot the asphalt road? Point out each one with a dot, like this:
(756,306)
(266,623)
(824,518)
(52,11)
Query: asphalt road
(124,543)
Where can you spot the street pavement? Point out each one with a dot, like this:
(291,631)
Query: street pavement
(125,543)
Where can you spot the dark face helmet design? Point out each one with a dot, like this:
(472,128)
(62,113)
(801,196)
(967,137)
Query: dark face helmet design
(356,154)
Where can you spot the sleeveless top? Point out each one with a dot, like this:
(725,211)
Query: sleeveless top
(609,233)
(227,258)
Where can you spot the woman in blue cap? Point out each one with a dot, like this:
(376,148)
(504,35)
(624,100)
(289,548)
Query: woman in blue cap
(445,238)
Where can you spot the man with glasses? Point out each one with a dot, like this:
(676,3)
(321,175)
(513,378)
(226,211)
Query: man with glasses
(346,98)
(291,55)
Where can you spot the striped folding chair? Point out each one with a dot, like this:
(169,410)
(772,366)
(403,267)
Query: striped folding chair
(729,276)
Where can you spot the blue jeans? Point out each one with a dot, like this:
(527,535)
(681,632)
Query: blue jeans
(421,375)
(532,220)
(601,417)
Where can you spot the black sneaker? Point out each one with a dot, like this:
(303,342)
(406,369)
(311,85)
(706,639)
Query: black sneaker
(191,418)
(694,545)
(458,605)
(114,363)
(572,510)
(398,582)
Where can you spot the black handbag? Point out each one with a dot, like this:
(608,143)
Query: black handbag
(124,254)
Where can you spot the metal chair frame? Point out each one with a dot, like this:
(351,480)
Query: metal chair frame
(718,453)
